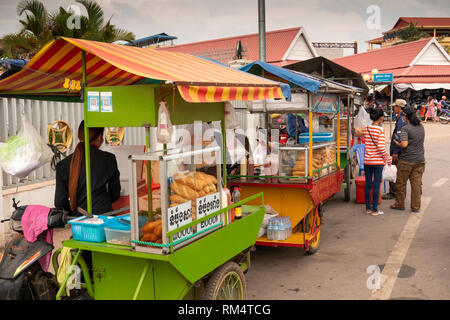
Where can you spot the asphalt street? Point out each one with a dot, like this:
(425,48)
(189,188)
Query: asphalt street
(406,254)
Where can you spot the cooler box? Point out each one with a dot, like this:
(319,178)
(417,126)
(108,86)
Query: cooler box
(360,185)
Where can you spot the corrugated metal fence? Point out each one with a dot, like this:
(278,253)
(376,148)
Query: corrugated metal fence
(40,114)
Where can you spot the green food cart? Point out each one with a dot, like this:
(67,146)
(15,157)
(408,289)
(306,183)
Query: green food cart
(204,256)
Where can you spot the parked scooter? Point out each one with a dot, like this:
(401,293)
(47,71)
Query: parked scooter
(21,275)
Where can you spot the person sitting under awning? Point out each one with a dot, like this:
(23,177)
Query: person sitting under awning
(295,125)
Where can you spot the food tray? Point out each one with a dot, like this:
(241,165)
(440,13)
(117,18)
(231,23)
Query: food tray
(116,236)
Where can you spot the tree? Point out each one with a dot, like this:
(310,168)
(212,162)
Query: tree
(412,33)
(39,27)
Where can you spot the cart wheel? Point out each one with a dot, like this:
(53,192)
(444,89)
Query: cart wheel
(226,283)
(313,245)
(320,209)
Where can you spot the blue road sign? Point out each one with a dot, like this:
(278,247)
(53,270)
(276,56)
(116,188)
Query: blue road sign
(383,77)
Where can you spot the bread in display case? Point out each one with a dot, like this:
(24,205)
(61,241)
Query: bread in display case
(343,133)
(294,161)
(190,189)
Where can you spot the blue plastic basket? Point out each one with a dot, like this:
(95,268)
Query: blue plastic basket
(88,232)
(317,137)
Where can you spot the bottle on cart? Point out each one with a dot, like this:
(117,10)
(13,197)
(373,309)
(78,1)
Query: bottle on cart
(238,213)
(236,195)
(270,229)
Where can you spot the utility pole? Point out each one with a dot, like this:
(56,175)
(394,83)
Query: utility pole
(262,49)
(262,29)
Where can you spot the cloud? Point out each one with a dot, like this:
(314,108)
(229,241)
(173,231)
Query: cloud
(198,20)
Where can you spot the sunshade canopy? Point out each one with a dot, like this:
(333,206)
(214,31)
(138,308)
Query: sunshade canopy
(299,79)
(197,79)
(296,79)
(328,69)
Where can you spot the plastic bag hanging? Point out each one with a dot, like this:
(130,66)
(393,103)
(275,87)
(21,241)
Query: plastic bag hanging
(231,121)
(390,173)
(362,119)
(24,152)
(165,128)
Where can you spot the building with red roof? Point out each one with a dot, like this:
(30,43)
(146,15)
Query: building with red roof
(434,27)
(282,47)
(421,64)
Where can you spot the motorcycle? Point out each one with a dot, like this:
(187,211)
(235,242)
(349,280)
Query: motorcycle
(444,117)
(21,274)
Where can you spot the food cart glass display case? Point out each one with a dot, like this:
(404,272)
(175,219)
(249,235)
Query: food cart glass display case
(190,189)
(294,162)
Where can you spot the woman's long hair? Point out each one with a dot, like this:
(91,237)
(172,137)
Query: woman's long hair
(411,115)
(77,161)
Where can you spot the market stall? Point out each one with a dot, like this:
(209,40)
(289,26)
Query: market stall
(187,247)
(300,176)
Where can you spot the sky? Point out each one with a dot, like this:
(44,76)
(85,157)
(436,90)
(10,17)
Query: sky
(198,20)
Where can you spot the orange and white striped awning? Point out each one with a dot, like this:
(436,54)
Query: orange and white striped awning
(197,79)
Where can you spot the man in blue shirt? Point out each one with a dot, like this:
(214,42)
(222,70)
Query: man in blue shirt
(395,150)
(295,125)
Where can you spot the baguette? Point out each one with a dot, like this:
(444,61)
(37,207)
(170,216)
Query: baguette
(188,179)
(177,198)
(209,178)
(183,190)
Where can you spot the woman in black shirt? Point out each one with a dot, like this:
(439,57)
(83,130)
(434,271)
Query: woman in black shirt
(70,190)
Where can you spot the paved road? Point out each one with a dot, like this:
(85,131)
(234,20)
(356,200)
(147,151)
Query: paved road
(412,251)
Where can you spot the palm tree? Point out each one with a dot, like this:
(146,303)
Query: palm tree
(96,30)
(36,20)
(39,27)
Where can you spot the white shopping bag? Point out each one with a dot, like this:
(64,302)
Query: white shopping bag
(24,152)
(390,173)
(362,119)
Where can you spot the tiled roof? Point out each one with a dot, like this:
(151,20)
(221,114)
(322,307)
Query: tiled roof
(396,60)
(393,57)
(277,44)
(423,21)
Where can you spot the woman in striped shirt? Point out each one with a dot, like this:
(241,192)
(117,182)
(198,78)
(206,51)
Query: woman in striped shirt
(375,158)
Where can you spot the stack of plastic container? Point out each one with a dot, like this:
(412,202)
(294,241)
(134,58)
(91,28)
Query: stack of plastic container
(279,228)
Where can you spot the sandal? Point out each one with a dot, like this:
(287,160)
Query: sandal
(395,207)
(377,213)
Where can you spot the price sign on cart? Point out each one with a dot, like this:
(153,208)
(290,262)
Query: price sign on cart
(179,216)
(205,206)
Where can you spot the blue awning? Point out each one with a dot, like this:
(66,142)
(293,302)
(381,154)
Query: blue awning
(306,83)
